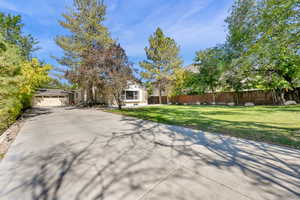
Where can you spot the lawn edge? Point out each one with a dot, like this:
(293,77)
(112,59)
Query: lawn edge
(198,129)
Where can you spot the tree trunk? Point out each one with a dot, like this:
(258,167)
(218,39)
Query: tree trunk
(297,93)
(294,94)
(83,91)
(214,98)
(90,99)
(237,97)
(274,97)
(94,99)
(159,95)
(118,100)
(282,97)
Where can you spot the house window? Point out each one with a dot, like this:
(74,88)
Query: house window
(131,95)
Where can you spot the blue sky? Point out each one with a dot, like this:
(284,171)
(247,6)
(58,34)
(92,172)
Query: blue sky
(194,24)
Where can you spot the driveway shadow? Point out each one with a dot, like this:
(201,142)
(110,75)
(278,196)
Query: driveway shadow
(37,111)
(94,170)
(148,159)
(273,169)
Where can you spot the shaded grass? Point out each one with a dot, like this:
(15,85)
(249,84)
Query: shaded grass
(272,124)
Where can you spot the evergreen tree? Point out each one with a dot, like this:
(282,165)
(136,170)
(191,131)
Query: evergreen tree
(87,32)
(11,31)
(162,60)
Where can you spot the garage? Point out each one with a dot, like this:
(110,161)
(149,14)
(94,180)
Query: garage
(51,98)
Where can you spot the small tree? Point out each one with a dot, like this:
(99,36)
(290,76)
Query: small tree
(179,80)
(210,63)
(119,73)
(163,59)
(111,71)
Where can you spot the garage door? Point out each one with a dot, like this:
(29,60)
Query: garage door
(49,101)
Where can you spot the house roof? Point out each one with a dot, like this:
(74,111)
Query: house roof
(51,92)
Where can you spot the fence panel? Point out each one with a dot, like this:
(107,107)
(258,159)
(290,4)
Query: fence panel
(258,97)
(223,98)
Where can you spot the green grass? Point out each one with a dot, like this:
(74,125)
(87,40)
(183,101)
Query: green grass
(272,124)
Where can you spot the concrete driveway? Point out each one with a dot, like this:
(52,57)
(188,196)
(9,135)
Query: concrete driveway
(78,154)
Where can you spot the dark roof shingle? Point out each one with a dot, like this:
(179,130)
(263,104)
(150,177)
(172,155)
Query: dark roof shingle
(51,92)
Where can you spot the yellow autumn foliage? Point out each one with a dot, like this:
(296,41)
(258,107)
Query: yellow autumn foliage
(19,78)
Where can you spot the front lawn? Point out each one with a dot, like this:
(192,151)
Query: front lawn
(272,124)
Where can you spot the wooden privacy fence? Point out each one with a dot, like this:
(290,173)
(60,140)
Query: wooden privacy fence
(258,97)
(224,98)
(155,100)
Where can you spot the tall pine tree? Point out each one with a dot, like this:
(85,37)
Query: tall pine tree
(85,23)
(162,61)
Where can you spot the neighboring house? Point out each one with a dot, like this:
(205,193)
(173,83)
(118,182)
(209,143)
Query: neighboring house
(52,97)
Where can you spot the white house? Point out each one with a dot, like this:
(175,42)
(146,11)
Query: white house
(134,95)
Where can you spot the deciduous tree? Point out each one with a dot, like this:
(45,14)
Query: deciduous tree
(211,66)
(120,74)
(274,55)
(111,71)
(19,78)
